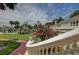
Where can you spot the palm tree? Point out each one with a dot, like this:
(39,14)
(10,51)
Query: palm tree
(12,23)
(16,23)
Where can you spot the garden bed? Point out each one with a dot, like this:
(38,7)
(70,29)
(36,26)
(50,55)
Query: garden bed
(9,46)
(2,47)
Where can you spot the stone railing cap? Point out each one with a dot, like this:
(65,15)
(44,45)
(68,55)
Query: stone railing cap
(56,38)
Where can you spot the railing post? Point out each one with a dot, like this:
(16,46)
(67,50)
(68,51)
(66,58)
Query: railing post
(64,47)
(46,51)
(39,52)
(56,50)
(51,51)
(78,44)
(61,49)
(42,51)
(33,52)
(36,52)
(29,52)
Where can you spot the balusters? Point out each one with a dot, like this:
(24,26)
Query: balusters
(51,51)
(46,51)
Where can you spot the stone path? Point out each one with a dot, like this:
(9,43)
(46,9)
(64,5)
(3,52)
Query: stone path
(21,49)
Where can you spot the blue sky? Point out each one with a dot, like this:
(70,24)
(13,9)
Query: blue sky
(33,12)
(58,9)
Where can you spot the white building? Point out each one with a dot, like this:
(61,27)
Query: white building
(72,23)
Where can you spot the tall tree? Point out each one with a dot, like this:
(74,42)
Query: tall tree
(16,23)
(26,24)
(39,30)
(12,23)
(35,25)
(60,19)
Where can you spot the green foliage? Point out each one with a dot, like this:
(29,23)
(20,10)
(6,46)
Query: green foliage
(27,25)
(38,40)
(14,36)
(23,33)
(58,20)
(14,24)
(11,22)
(11,45)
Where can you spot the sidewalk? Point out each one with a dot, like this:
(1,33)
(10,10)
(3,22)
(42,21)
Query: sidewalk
(21,49)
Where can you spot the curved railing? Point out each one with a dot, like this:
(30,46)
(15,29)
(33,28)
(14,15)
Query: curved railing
(67,43)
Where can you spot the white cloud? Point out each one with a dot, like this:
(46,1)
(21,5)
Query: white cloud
(23,12)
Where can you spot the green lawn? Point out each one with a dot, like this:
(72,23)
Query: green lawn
(11,45)
(14,36)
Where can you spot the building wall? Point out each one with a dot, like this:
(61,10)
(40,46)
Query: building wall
(69,25)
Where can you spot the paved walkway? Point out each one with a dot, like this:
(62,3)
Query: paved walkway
(21,49)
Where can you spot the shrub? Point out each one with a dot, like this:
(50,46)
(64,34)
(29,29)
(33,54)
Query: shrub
(38,40)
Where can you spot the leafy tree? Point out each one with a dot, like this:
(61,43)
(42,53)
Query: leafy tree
(60,19)
(39,30)
(12,23)
(35,25)
(16,23)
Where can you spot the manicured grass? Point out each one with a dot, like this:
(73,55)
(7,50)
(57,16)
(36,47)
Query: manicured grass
(11,45)
(14,36)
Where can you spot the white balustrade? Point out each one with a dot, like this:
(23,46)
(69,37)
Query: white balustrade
(61,44)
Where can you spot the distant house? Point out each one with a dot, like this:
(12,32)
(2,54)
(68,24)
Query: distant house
(5,29)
